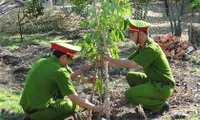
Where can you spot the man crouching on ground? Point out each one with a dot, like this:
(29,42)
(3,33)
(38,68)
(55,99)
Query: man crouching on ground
(47,78)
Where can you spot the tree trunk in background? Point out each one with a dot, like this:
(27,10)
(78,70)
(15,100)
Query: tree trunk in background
(175,18)
(191,28)
(176,10)
(178,30)
(167,7)
(171,16)
(55,2)
(20,25)
(182,7)
(50,3)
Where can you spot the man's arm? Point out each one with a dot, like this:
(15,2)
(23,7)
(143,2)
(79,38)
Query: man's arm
(85,103)
(75,76)
(90,79)
(123,63)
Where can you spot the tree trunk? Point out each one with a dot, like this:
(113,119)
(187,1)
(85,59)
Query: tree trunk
(55,2)
(50,3)
(171,17)
(178,21)
(104,36)
(190,29)
(106,101)
(174,17)
(166,7)
(20,25)
(182,7)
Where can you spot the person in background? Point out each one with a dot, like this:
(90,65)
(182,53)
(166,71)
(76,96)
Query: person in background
(48,82)
(152,88)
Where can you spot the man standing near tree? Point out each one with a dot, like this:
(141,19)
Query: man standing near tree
(152,88)
(48,81)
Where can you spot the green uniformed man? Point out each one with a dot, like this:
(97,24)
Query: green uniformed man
(152,88)
(48,81)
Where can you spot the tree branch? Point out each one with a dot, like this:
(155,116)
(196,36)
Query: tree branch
(9,9)
(20,2)
(3,2)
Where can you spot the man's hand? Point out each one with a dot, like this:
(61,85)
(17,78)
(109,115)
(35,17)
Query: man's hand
(76,74)
(99,60)
(92,79)
(106,58)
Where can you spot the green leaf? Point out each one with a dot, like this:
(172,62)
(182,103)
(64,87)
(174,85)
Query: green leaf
(98,85)
(126,24)
(121,35)
(195,4)
(116,35)
(114,51)
(121,25)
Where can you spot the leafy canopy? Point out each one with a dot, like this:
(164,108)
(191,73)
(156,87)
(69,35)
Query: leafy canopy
(79,5)
(195,4)
(111,15)
(33,8)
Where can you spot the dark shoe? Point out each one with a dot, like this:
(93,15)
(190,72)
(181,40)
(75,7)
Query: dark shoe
(164,109)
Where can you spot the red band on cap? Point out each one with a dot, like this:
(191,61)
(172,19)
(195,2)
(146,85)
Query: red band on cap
(62,49)
(138,29)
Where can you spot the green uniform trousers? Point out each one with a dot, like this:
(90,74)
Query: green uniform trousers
(151,95)
(59,110)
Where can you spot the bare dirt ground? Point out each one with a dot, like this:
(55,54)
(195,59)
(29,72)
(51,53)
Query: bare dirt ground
(185,100)
(15,63)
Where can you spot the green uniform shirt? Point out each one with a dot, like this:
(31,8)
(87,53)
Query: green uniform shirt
(153,61)
(44,80)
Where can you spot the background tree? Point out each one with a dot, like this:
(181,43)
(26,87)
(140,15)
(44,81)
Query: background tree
(30,9)
(174,10)
(175,17)
(166,7)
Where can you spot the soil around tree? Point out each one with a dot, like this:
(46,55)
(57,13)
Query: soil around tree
(15,63)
